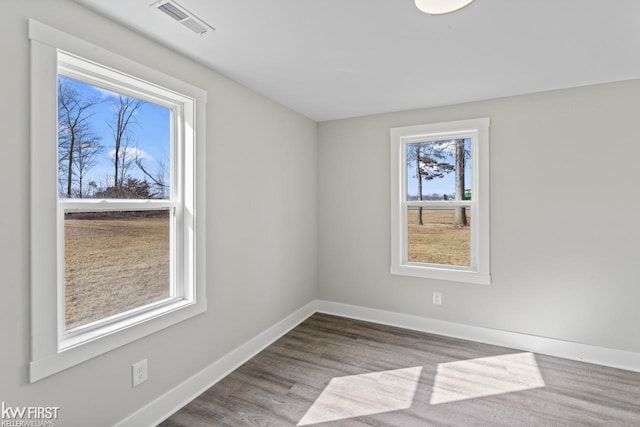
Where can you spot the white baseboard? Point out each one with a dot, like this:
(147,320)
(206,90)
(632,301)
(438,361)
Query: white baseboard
(161,408)
(541,345)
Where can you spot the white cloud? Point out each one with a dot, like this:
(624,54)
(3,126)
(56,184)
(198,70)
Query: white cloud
(105,93)
(132,153)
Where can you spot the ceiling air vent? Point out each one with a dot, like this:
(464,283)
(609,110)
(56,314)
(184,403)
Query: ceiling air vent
(173,11)
(183,16)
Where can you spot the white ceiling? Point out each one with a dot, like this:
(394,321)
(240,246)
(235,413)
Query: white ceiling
(330,59)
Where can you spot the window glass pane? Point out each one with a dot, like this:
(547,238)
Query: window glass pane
(439,236)
(439,170)
(111,146)
(115,261)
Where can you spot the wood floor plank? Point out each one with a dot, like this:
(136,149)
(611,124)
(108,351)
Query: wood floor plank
(333,371)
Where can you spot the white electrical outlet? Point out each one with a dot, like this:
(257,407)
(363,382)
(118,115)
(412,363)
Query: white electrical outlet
(437,298)
(139,372)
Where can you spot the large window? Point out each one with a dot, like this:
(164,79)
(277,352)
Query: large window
(117,201)
(440,201)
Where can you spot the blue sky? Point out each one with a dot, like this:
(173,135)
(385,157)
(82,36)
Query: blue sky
(444,185)
(150,134)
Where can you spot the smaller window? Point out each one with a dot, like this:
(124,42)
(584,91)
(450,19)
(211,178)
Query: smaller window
(440,201)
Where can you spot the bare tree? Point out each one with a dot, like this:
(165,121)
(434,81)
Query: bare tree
(86,153)
(131,188)
(121,129)
(158,179)
(73,127)
(93,185)
(126,159)
(455,149)
(428,162)
(460,214)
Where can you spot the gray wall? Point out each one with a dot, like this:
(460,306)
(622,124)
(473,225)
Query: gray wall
(564,217)
(564,228)
(261,219)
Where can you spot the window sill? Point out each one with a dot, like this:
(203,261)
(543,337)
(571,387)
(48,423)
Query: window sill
(121,335)
(454,275)
(87,333)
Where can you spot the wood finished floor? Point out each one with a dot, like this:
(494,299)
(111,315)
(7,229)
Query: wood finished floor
(410,376)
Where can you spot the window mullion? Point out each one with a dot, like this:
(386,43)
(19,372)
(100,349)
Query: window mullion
(87,205)
(439,204)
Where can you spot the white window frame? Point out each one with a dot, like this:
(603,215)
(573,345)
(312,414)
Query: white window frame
(52,348)
(477,130)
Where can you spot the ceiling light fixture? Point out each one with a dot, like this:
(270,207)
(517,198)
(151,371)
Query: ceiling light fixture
(183,16)
(441,7)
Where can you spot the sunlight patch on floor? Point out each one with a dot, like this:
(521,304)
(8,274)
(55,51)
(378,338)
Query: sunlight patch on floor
(366,394)
(486,376)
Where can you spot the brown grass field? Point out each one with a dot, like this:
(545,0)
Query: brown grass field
(113,265)
(437,241)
